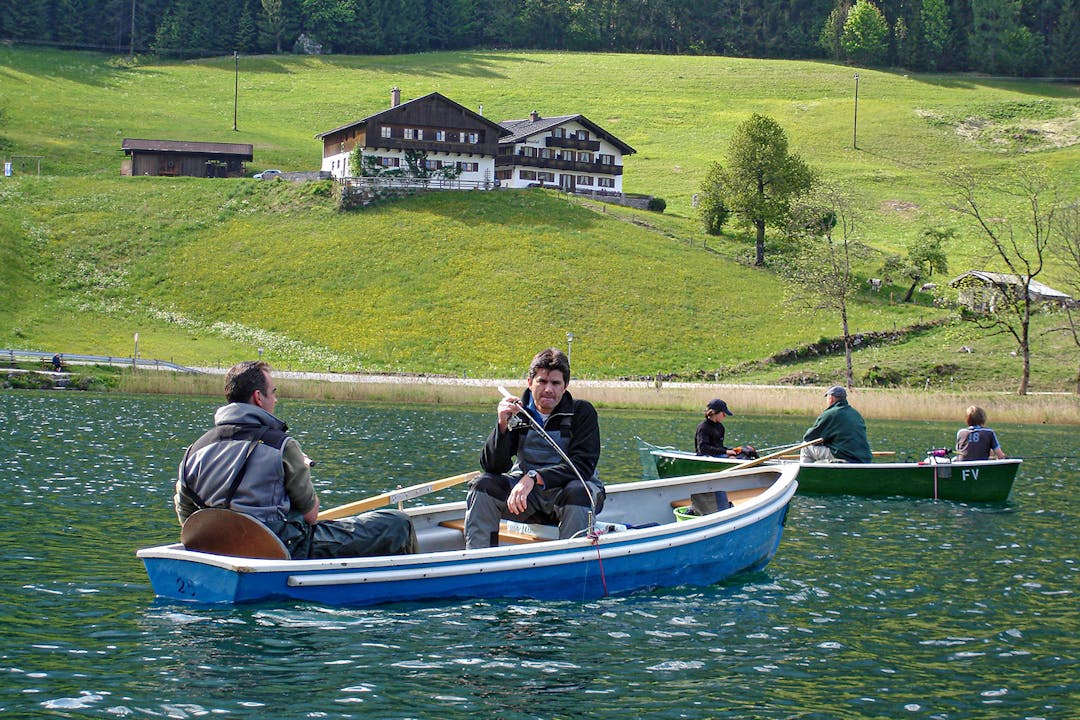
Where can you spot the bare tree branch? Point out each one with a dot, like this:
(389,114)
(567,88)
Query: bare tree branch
(1015,214)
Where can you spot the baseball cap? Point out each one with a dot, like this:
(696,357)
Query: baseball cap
(719,405)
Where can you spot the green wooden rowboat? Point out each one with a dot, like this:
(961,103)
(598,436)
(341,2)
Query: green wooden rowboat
(987,481)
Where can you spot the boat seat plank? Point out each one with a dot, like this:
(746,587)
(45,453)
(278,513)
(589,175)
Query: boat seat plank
(505,536)
(735,497)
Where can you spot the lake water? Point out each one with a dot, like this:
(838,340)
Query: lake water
(870,609)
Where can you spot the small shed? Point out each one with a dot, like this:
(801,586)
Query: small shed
(981,290)
(181,157)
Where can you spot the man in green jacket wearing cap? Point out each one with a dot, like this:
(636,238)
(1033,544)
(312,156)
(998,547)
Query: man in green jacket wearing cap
(842,432)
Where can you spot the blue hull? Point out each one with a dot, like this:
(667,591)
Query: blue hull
(698,552)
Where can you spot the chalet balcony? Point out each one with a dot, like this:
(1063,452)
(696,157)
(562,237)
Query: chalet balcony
(594,168)
(431,146)
(573,143)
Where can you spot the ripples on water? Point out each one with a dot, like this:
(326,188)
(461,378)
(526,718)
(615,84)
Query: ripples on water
(885,608)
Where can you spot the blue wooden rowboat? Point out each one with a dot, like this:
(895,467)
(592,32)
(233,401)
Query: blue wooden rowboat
(639,546)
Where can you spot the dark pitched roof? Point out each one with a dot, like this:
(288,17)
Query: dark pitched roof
(434,96)
(190,148)
(522,129)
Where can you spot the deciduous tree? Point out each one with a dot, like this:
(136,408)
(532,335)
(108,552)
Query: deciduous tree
(1068,252)
(1014,213)
(760,178)
(866,34)
(714,214)
(820,270)
(925,255)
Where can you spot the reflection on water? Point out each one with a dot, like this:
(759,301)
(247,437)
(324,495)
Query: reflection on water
(871,608)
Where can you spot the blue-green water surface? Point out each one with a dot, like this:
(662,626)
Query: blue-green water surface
(870,609)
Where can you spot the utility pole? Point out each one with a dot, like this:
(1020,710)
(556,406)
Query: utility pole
(236,86)
(131,52)
(855,131)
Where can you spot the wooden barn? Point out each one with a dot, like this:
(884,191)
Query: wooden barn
(179,157)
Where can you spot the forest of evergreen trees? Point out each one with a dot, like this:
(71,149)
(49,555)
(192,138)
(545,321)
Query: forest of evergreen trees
(999,37)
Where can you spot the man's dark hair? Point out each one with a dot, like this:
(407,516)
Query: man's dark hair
(243,379)
(551,359)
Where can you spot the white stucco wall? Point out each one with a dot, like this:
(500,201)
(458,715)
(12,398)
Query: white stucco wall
(338,164)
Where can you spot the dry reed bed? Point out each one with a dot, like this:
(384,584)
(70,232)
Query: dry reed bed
(896,404)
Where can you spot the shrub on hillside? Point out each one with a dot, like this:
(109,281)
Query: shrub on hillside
(877,376)
(801,378)
(656,204)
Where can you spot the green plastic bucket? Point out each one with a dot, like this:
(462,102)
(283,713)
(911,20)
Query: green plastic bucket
(685,513)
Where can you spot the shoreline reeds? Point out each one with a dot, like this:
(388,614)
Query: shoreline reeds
(884,403)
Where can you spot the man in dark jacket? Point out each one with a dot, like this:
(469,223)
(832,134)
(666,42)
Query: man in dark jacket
(249,464)
(842,432)
(524,478)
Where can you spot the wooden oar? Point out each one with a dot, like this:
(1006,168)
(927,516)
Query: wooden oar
(395,496)
(876,453)
(763,458)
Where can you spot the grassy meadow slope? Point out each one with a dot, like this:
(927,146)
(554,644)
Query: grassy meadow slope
(207,271)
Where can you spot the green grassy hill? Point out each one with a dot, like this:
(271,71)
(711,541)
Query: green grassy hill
(208,271)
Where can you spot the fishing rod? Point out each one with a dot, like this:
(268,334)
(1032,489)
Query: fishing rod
(551,441)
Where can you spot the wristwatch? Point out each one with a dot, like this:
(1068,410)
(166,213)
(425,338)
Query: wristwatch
(535,477)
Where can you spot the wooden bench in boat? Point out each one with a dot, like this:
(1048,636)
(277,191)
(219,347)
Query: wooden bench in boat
(506,536)
(735,497)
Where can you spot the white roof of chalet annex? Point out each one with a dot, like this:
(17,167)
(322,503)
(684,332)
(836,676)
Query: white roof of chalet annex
(993,278)
(522,129)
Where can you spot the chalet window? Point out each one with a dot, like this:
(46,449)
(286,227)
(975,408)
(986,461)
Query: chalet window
(473,138)
(584,180)
(605,159)
(410,133)
(605,182)
(582,134)
(504,174)
(470,167)
(584,157)
(420,134)
(558,132)
(440,135)
(389,161)
(545,176)
(386,131)
(527,174)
